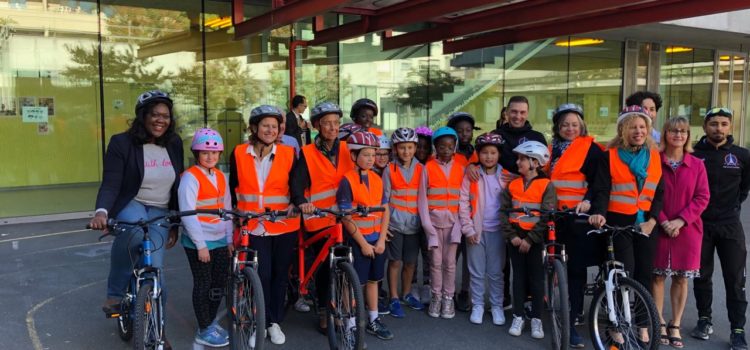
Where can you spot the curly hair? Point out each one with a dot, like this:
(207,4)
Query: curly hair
(138,129)
(636,99)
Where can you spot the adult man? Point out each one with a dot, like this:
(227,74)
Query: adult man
(285,139)
(651,102)
(728,169)
(516,131)
(296,126)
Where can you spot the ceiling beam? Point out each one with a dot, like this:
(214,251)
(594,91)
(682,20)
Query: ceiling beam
(662,11)
(283,15)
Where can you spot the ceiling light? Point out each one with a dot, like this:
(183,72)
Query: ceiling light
(677,49)
(579,42)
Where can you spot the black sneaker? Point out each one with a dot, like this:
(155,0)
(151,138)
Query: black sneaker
(703,329)
(463,302)
(737,339)
(378,329)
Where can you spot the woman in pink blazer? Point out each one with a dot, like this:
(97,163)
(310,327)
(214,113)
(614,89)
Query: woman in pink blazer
(679,244)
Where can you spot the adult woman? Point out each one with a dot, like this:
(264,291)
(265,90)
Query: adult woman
(678,249)
(575,158)
(141,175)
(628,191)
(259,178)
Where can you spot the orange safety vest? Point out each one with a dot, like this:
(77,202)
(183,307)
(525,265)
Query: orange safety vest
(324,180)
(365,196)
(624,197)
(403,194)
(570,183)
(375,131)
(530,198)
(461,159)
(209,197)
(275,194)
(443,193)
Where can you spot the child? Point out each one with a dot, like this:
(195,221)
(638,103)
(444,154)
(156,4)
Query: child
(437,201)
(382,155)
(480,223)
(362,187)
(527,234)
(464,125)
(423,154)
(401,182)
(207,240)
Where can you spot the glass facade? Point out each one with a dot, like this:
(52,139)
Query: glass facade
(70,72)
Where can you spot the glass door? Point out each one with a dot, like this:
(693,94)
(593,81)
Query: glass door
(731,87)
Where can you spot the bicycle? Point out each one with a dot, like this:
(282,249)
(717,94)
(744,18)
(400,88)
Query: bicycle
(141,310)
(621,307)
(347,299)
(554,259)
(245,300)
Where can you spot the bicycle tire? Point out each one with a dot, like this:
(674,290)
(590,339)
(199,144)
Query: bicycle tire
(147,323)
(643,313)
(558,304)
(347,302)
(125,321)
(247,310)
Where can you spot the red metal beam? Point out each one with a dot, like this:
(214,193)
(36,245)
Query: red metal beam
(659,13)
(284,15)
(407,12)
(496,19)
(238,12)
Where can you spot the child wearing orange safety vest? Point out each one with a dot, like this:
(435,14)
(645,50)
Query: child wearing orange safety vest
(207,239)
(437,203)
(526,234)
(362,187)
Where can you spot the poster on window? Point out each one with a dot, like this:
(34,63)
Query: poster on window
(42,129)
(8,107)
(27,101)
(48,102)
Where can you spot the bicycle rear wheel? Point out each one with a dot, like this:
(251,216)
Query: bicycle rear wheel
(556,288)
(346,310)
(247,311)
(628,331)
(147,320)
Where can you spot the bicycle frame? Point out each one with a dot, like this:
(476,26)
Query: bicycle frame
(334,237)
(551,246)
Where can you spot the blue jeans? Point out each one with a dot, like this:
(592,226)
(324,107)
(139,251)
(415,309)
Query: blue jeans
(126,247)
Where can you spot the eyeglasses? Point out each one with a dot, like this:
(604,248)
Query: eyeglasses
(679,131)
(723,111)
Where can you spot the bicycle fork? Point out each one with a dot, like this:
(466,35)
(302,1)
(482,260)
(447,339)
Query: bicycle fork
(610,288)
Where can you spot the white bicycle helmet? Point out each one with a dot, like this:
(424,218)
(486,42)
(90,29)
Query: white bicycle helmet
(404,135)
(534,149)
(385,142)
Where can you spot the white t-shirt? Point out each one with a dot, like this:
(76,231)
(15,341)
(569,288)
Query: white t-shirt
(158,177)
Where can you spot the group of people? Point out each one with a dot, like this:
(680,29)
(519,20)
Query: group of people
(444,197)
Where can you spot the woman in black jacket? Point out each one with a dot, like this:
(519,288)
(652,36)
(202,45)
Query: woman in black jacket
(141,174)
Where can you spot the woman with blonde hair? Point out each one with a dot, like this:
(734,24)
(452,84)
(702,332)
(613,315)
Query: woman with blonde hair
(678,248)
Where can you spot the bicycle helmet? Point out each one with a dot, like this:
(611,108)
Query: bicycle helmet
(457,117)
(264,111)
(348,129)
(152,96)
(207,139)
(322,109)
(534,149)
(404,135)
(363,103)
(385,142)
(634,110)
(566,108)
(444,131)
(423,130)
(488,139)
(362,139)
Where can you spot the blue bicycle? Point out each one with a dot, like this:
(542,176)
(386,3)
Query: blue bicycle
(141,310)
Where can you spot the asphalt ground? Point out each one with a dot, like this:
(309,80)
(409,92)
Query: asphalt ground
(53,280)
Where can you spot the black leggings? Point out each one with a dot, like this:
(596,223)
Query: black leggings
(209,283)
(528,269)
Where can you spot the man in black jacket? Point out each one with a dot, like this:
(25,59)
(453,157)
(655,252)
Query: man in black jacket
(728,169)
(516,131)
(296,126)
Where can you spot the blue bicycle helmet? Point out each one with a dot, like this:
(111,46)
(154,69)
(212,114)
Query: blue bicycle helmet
(444,131)
(263,111)
(323,108)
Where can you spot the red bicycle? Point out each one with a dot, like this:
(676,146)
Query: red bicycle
(346,308)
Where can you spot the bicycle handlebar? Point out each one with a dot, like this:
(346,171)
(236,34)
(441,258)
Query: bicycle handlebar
(360,210)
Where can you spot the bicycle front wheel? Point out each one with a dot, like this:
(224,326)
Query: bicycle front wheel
(631,322)
(346,310)
(247,310)
(125,320)
(558,304)
(147,320)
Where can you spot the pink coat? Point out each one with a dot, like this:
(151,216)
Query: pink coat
(686,195)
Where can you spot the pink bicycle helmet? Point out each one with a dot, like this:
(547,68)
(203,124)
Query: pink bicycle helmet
(207,139)
(362,139)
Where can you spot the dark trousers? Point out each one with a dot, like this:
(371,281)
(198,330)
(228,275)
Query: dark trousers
(506,274)
(636,252)
(274,258)
(209,283)
(728,240)
(582,251)
(461,253)
(528,270)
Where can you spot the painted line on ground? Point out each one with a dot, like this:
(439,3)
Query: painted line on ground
(42,236)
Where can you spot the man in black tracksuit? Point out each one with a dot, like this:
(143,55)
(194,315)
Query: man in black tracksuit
(728,169)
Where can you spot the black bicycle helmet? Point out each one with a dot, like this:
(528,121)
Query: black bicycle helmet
(152,96)
(457,117)
(363,103)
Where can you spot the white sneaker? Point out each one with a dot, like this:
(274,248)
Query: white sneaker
(277,336)
(251,341)
(536,328)
(477,313)
(498,316)
(517,326)
(301,306)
